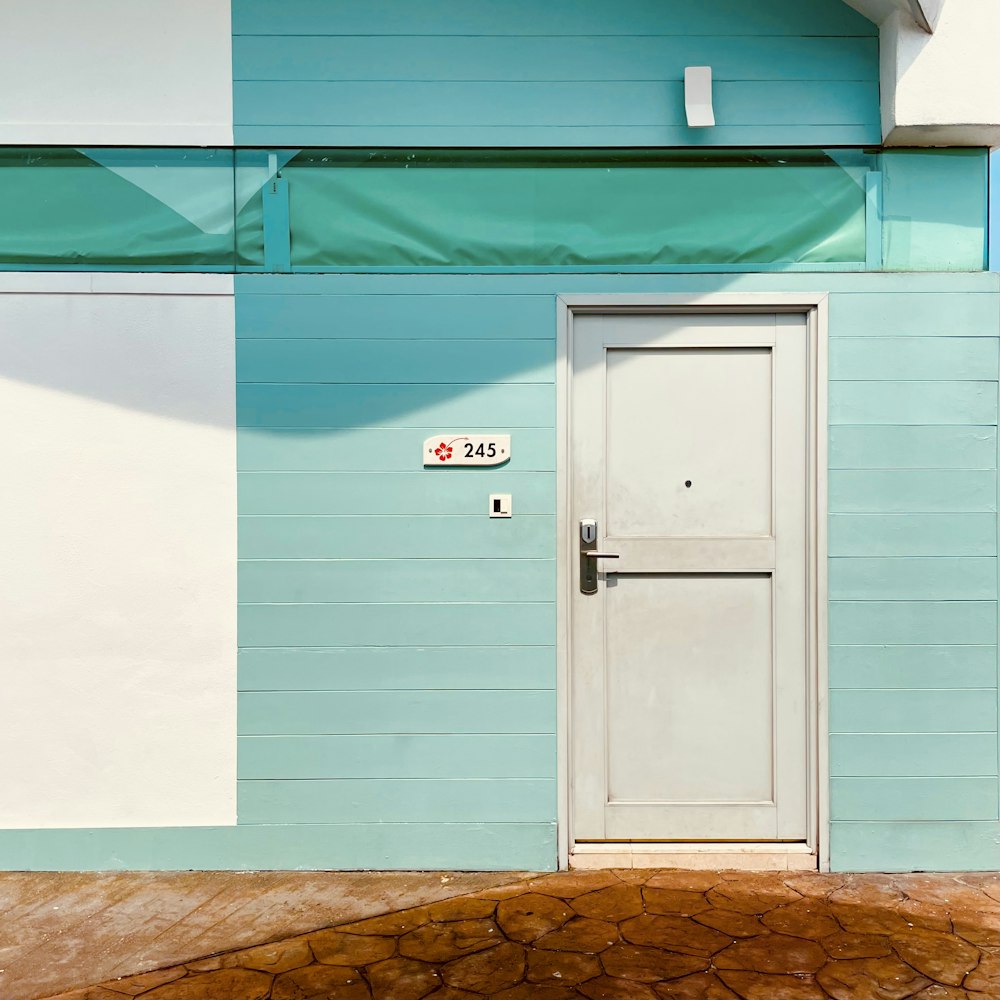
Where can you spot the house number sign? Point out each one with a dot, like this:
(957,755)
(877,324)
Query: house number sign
(467,449)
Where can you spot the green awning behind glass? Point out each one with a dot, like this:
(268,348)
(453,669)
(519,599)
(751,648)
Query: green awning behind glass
(209,209)
(74,208)
(511,209)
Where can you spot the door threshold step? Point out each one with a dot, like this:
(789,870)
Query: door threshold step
(744,857)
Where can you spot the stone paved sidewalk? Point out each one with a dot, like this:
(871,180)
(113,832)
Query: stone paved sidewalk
(633,935)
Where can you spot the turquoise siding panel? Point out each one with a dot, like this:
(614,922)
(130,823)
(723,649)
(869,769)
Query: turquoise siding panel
(362,361)
(373,449)
(530,536)
(551,74)
(321,847)
(913,666)
(919,622)
(912,447)
(336,405)
(318,713)
(458,17)
(925,846)
(903,579)
(901,403)
(548,105)
(387,800)
(898,314)
(901,491)
(398,624)
(555,58)
(391,668)
(913,755)
(868,535)
(921,359)
(914,799)
(398,756)
(322,581)
(901,711)
(420,317)
(406,493)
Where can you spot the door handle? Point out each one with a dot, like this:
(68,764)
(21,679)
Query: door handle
(589,553)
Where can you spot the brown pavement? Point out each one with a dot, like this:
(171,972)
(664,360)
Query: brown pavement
(635,935)
(66,929)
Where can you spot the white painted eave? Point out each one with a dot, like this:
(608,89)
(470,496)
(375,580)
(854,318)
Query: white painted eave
(939,74)
(924,13)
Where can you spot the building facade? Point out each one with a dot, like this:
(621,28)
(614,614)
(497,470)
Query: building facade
(460,436)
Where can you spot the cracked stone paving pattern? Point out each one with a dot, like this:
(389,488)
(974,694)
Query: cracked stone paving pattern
(635,935)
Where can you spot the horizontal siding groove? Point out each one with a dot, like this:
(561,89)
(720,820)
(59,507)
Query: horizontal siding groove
(361,381)
(897,645)
(929,690)
(538,79)
(434,778)
(249,647)
(396,603)
(423,778)
(488,470)
(909,732)
(313,429)
(416,731)
(443,341)
(912,381)
(381,690)
(896,823)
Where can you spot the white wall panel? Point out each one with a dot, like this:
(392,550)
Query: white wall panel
(117,72)
(118,547)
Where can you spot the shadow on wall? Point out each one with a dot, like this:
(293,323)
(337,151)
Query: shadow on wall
(166,355)
(306,365)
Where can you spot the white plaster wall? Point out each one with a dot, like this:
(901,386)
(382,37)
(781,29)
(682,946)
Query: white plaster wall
(118,551)
(943,88)
(116,72)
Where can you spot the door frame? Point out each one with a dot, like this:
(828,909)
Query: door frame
(815,853)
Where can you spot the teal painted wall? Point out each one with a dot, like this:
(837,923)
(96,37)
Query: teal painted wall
(397,661)
(397,669)
(554,73)
(913,368)
(935,209)
(913,574)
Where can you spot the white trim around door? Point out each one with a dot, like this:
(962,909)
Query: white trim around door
(813,851)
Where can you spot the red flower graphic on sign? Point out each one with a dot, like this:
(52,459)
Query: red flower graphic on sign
(443,451)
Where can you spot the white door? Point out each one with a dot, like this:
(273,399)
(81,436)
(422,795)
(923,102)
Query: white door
(689,665)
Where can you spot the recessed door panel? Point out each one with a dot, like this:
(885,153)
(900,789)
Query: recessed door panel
(689,670)
(689,441)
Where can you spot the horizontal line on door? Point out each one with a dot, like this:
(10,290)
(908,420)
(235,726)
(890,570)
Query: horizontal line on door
(764,845)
